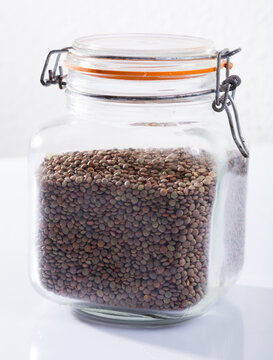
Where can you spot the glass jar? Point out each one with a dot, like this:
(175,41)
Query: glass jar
(138,193)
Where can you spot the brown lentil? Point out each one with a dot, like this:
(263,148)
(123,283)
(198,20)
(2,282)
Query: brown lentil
(126,227)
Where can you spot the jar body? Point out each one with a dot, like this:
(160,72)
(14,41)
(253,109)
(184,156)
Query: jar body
(138,209)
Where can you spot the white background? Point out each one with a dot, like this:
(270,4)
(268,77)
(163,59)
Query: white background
(240,325)
(30,28)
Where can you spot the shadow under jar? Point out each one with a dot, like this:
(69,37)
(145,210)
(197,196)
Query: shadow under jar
(138,192)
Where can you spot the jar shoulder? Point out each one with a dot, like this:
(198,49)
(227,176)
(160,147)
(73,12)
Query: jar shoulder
(73,133)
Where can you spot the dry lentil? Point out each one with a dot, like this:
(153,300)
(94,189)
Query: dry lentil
(115,227)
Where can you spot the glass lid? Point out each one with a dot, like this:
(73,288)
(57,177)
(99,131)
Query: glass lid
(142,56)
(145,46)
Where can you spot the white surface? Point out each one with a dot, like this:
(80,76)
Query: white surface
(30,28)
(239,327)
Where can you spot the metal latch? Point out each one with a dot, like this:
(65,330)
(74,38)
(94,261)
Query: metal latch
(55,76)
(226,100)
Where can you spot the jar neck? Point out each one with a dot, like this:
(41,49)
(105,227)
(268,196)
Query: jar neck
(85,107)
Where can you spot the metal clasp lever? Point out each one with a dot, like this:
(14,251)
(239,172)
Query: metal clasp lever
(225,101)
(55,76)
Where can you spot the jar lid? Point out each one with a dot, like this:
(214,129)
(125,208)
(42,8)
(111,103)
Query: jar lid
(143,46)
(142,56)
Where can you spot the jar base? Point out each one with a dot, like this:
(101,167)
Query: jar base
(129,318)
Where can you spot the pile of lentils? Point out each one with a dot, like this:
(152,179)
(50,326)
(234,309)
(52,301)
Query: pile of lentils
(126,228)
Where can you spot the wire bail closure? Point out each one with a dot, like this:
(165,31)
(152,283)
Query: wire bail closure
(54,77)
(226,101)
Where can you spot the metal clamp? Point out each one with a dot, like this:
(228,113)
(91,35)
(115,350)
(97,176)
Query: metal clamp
(226,100)
(54,77)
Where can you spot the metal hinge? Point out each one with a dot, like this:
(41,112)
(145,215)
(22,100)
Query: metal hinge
(55,76)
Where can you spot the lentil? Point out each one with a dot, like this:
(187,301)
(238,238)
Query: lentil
(119,230)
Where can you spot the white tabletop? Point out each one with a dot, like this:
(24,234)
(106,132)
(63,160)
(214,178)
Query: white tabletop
(239,326)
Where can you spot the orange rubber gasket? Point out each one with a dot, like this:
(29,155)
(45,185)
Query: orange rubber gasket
(144,75)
